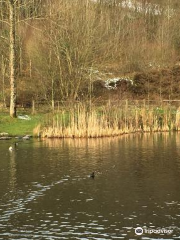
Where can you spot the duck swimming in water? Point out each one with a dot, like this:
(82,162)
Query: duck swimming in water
(92,175)
(12,148)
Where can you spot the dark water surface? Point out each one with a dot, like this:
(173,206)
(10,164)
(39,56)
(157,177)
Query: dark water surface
(46,191)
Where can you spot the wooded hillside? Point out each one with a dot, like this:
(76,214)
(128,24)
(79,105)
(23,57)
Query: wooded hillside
(60,43)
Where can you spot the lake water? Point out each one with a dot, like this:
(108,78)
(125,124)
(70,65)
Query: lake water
(46,191)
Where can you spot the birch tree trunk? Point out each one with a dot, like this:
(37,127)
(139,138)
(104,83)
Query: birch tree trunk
(12,58)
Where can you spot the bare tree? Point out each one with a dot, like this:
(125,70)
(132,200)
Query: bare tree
(12,57)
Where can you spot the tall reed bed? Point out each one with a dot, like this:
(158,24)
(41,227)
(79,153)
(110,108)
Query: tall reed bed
(82,121)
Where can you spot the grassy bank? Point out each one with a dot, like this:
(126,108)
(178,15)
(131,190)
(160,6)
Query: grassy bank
(16,127)
(90,121)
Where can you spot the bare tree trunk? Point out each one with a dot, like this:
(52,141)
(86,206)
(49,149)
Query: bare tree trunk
(12,58)
(3,67)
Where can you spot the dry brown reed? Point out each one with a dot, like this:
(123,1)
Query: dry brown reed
(36,130)
(82,121)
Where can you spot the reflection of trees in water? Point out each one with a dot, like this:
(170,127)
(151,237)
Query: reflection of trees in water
(153,139)
(142,148)
(145,140)
(83,151)
(12,173)
(79,143)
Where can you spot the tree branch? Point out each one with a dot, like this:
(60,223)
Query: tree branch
(33,18)
(3,21)
(4,38)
